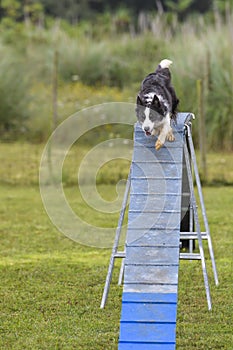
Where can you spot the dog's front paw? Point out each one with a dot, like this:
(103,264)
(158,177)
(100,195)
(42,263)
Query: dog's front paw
(158,145)
(170,137)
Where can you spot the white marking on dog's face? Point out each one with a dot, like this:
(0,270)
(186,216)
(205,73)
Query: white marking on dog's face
(147,113)
(147,125)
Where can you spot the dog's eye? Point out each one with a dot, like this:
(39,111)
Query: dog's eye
(141,117)
(140,114)
(153,115)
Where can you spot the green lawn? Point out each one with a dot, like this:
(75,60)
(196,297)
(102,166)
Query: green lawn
(51,287)
(20,163)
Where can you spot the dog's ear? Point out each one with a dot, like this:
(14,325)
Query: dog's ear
(155,101)
(139,101)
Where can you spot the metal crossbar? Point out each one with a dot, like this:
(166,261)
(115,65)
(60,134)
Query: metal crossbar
(190,161)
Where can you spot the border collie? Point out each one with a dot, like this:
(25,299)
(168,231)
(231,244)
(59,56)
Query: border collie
(157,103)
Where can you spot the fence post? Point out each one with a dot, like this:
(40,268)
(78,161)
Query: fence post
(201,126)
(54,116)
(54,87)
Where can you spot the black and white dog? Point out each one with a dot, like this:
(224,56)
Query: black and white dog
(157,103)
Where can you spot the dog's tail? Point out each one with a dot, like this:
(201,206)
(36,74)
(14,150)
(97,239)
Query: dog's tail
(165,63)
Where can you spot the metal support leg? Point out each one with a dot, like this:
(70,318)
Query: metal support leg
(116,244)
(121,274)
(191,227)
(197,224)
(198,182)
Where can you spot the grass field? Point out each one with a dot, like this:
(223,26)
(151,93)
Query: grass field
(20,166)
(51,287)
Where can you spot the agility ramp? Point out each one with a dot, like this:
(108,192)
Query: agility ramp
(150,265)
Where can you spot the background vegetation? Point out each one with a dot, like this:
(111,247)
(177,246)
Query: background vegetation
(103,57)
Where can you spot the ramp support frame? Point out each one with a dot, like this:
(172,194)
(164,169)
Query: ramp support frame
(190,161)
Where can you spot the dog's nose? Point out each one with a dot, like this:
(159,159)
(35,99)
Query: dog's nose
(146,128)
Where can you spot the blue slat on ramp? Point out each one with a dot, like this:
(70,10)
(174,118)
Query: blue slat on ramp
(149,300)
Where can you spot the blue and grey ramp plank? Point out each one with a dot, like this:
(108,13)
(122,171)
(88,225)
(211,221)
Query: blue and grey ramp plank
(149,300)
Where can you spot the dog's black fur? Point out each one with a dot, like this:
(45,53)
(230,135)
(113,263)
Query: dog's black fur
(159,82)
(159,96)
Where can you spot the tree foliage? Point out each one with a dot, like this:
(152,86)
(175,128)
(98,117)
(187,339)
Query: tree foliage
(74,10)
(180,7)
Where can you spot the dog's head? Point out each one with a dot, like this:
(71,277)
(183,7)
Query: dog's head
(149,114)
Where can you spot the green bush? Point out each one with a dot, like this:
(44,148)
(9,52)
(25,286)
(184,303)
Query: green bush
(14,97)
(100,63)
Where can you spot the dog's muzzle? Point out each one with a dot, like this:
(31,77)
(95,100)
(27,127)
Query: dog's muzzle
(147,131)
